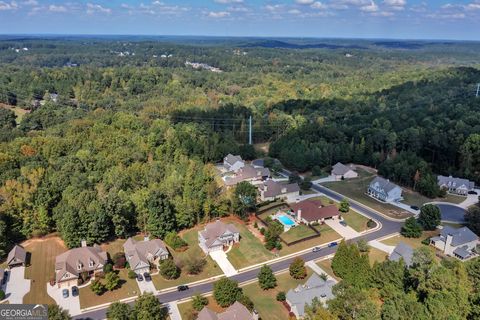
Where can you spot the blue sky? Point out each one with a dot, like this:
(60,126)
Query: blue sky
(407,19)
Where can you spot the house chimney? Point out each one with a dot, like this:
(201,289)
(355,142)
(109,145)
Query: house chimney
(299,214)
(265,187)
(284,190)
(84,243)
(146,238)
(448,245)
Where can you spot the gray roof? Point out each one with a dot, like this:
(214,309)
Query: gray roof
(452,182)
(236,311)
(460,236)
(2,274)
(272,188)
(339,169)
(231,159)
(87,258)
(384,184)
(463,252)
(17,255)
(315,287)
(215,229)
(258,163)
(143,251)
(247,172)
(402,251)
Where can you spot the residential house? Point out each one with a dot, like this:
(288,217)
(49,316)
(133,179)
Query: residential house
(140,254)
(248,173)
(217,235)
(382,189)
(315,287)
(233,163)
(455,185)
(236,311)
(456,242)
(341,171)
(310,210)
(69,265)
(271,190)
(17,257)
(402,251)
(258,163)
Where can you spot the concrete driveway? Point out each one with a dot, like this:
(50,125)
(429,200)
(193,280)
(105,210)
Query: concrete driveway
(346,232)
(146,286)
(17,286)
(72,304)
(381,246)
(220,257)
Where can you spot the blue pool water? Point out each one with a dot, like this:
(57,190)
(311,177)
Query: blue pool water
(286,220)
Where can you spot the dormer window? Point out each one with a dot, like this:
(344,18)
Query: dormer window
(79,266)
(91,263)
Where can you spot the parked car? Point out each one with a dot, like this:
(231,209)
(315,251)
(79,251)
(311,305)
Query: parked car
(472,192)
(343,223)
(332,244)
(182,288)
(415,208)
(65,293)
(74,291)
(316,249)
(147,276)
(139,277)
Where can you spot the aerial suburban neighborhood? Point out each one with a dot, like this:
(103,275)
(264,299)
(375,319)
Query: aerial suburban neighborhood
(309,160)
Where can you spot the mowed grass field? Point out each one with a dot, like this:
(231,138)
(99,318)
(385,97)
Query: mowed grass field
(19,112)
(42,267)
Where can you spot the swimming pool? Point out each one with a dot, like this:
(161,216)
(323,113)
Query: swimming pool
(286,220)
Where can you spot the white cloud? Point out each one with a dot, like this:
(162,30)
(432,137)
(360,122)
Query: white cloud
(372,7)
(473,6)
(294,11)
(158,3)
(218,14)
(395,3)
(93,8)
(228,1)
(238,9)
(319,5)
(55,8)
(274,7)
(305,2)
(383,14)
(4,6)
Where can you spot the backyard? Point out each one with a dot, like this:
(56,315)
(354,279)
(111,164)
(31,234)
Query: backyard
(297,233)
(42,267)
(265,301)
(327,235)
(211,269)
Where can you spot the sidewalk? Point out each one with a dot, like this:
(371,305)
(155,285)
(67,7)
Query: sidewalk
(318,270)
(174,312)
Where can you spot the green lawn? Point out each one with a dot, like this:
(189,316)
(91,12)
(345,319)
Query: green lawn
(416,199)
(326,266)
(376,255)
(211,269)
(356,188)
(413,242)
(249,251)
(296,233)
(327,235)
(355,220)
(129,288)
(19,112)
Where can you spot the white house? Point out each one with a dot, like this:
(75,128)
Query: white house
(455,185)
(341,171)
(270,190)
(217,235)
(382,189)
(456,242)
(233,163)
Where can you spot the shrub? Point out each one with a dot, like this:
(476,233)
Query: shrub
(107,268)
(2,295)
(266,278)
(315,223)
(281,296)
(411,228)
(199,302)
(113,281)
(195,265)
(131,274)
(174,240)
(255,225)
(169,270)
(119,260)
(278,245)
(297,269)
(371,224)
(426,241)
(97,287)
(262,231)
(247,302)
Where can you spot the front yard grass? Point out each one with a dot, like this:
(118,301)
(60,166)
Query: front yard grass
(413,242)
(211,269)
(356,188)
(249,251)
(416,199)
(355,220)
(296,233)
(326,266)
(42,267)
(128,288)
(376,255)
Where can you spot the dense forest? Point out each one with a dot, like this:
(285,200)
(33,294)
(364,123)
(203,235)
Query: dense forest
(120,135)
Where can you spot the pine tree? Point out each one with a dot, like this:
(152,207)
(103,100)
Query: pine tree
(297,269)
(266,278)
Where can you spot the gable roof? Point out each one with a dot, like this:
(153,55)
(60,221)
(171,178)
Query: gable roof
(453,182)
(236,311)
(460,236)
(258,163)
(17,255)
(313,210)
(272,188)
(315,287)
(339,169)
(139,251)
(402,251)
(231,159)
(383,184)
(214,230)
(69,261)
(247,172)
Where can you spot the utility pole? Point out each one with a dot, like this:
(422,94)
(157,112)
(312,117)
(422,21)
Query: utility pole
(478,90)
(250,130)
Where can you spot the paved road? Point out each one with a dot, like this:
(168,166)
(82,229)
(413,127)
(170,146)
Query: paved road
(388,227)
